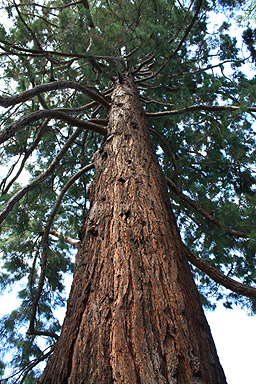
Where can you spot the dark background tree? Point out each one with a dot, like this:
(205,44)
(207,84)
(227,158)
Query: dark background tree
(60,63)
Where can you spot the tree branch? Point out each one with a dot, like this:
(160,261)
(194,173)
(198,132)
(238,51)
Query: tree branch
(41,53)
(27,154)
(18,195)
(149,100)
(169,150)
(198,8)
(68,5)
(212,66)
(218,277)
(42,333)
(27,26)
(56,85)
(45,246)
(88,13)
(154,74)
(26,120)
(3,182)
(142,64)
(203,212)
(192,108)
(68,239)
(81,109)
(23,372)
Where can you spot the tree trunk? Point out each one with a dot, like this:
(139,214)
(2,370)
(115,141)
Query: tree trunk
(134,314)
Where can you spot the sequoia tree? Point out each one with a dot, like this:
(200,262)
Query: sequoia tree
(135,126)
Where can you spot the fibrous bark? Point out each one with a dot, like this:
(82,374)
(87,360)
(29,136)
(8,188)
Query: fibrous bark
(134,313)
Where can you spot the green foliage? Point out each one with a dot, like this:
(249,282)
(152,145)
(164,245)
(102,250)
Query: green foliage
(248,16)
(249,37)
(209,154)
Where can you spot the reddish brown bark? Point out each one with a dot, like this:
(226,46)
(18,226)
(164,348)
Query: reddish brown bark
(134,313)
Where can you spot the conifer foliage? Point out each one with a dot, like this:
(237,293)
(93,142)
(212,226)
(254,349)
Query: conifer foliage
(60,61)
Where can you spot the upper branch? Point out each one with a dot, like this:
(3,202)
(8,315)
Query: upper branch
(198,8)
(212,66)
(88,13)
(56,85)
(27,26)
(13,49)
(168,148)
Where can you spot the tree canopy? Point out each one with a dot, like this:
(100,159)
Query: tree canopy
(59,61)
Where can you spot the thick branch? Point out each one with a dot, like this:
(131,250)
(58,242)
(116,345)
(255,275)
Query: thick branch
(220,278)
(192,108)
(203,212)
(56,85)
(26,120)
